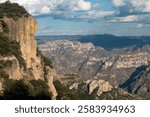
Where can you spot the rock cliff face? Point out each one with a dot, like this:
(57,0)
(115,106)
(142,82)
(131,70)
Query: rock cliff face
(102,86)
(51,75)
(13,68)
(21,28)
(22,31)
(139,81)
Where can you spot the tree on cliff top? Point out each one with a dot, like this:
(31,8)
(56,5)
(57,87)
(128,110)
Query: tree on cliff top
(12,10)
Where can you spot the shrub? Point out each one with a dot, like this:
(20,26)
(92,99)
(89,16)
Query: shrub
(9,48)
(3,74)
(63,92)
(40,90)
(45,62)
(12,10)
(4,64)
(24,90)
(16,89)
(5,27)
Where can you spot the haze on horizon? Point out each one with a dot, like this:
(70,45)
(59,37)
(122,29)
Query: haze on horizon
(82,17)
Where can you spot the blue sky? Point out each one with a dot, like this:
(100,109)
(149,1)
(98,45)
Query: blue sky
(81,17)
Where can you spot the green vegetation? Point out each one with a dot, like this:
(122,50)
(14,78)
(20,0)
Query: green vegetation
(116,94)
(3,74)
(45,62)
(23,90)
(146,96)
(4,64)
(9,48)
(16,89)
(40,90)
(63,92)
(12,10)
(82,93)
(4,26)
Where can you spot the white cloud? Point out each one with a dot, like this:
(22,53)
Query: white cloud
(48,6)
(147,6)
(130,18)
(131,11)
(78,5)
(132,6)
(64,9)
(118,3)
(96,15)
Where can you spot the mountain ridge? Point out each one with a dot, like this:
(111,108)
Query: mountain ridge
(107,41)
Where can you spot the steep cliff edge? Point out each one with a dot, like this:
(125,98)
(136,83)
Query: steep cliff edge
(22,30)
(139,82)
(19,48)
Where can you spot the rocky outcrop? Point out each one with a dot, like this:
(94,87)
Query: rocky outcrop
(12,67)
(51,75)
(74,86)
(100,85)
(133,60)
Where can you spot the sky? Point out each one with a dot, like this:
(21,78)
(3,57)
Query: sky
(82,17)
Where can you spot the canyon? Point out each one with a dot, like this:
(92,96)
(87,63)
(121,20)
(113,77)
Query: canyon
(79,62)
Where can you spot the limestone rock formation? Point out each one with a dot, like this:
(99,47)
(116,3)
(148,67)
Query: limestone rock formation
(51,75)
(74,86)
(22,31)
(12,67)
(103,86)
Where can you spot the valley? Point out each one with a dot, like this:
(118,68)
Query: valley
(78,63)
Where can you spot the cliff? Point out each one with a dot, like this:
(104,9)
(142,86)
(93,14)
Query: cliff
(19,48)
(22,31)
(139,81)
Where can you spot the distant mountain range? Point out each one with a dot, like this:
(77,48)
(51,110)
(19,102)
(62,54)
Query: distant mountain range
(106,41)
